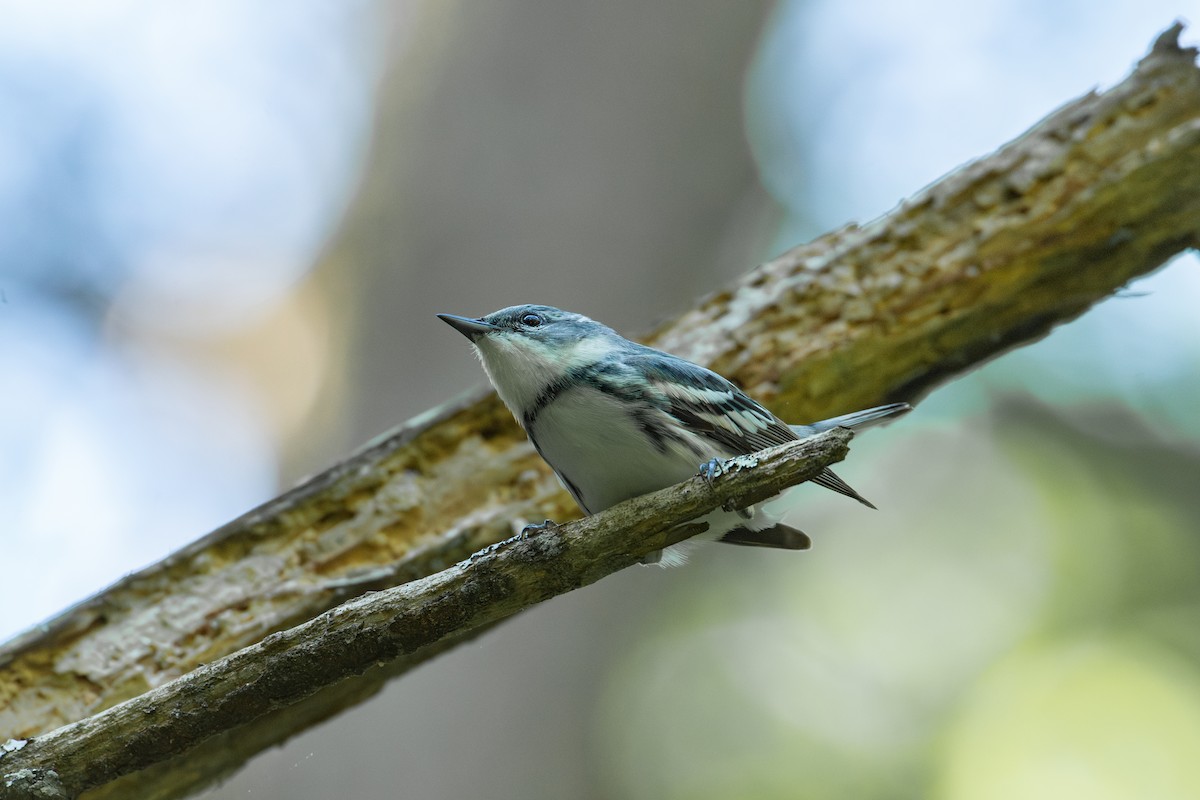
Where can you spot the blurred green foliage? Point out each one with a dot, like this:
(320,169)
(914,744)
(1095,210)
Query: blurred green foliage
(1021,621)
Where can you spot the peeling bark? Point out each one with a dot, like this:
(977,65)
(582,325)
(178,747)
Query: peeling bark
(1105,189)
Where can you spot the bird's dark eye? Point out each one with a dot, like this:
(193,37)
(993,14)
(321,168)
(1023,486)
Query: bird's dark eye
(531,320)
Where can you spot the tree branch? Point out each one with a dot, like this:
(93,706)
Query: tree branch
(491,585)
(1103,190)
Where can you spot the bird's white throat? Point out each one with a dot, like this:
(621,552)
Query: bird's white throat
(522,367)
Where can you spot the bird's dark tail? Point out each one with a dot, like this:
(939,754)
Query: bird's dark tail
(781,537)
(829,479)
(856,421)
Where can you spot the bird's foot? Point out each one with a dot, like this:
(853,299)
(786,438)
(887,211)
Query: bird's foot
(534,529)
(712,469)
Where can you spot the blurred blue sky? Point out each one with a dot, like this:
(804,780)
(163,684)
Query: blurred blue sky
(167,174)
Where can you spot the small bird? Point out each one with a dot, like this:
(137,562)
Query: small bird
(615,419)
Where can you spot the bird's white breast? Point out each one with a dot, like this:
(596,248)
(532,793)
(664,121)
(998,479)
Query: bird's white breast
(593,442)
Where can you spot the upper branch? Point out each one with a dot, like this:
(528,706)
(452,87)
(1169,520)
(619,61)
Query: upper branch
(989,257)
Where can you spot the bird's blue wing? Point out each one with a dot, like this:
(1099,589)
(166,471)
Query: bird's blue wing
(712,407)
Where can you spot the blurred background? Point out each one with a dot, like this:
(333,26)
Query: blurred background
(226,227)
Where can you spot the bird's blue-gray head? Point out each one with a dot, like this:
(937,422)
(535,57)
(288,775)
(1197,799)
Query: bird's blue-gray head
(526,348)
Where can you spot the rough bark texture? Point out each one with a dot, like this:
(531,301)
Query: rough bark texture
(380,627)
(1103,190)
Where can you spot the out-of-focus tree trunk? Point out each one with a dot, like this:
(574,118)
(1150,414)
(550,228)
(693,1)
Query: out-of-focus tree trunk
(585,154)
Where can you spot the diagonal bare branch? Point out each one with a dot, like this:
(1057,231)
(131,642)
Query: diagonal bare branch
(490,586)
(1103,190)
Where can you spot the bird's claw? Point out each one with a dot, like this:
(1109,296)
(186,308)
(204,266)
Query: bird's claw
(712,469)
(534,529)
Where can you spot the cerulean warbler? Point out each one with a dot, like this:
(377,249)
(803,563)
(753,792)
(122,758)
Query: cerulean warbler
(615,419)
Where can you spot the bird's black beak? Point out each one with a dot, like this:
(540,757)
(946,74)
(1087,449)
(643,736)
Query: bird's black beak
(470,328)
